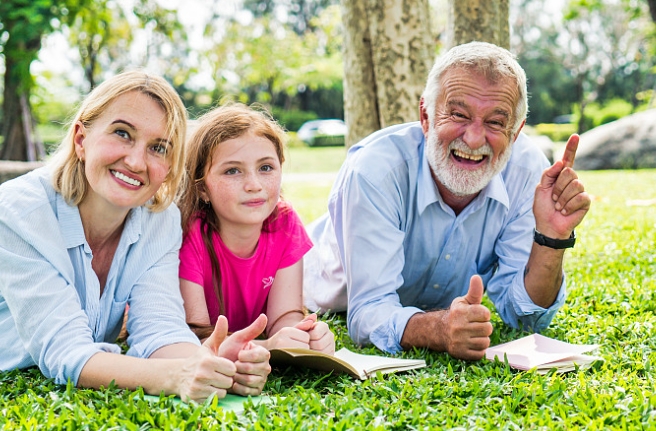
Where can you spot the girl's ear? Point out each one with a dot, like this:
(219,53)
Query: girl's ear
(203,193)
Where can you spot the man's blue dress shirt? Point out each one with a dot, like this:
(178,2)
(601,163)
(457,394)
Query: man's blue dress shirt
(390,247)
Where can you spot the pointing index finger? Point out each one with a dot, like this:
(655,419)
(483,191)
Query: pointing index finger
(570,151)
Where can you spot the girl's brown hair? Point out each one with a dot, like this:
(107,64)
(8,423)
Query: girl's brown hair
(208,132)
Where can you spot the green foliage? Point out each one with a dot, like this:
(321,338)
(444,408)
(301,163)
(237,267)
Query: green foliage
(292,119)
(611,277)
(556,132)
(597,115)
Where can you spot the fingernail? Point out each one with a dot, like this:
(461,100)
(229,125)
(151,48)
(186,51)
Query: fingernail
(558,206)
(554,197)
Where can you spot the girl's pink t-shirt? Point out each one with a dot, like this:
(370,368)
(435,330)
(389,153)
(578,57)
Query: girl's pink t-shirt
(245,282)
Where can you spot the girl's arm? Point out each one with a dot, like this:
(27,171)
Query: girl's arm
(195,308)
(288,325)
(285,302)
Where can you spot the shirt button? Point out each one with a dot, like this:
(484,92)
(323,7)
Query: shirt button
(447,257)
(436,286)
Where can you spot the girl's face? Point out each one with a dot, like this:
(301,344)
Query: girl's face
(124,153)
(243,181)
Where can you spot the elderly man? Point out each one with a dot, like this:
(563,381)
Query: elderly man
(424,217)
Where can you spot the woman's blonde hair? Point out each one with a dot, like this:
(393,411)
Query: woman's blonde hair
(68,177)
(209,131)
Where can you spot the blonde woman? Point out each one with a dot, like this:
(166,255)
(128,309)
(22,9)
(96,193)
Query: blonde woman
(94,231)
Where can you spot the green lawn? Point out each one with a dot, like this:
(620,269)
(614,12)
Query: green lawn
(612,298)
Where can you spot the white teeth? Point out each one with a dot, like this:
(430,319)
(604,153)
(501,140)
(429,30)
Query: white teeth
(125,178)
(460,154)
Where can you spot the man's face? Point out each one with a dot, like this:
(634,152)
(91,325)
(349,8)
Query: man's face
(469,140)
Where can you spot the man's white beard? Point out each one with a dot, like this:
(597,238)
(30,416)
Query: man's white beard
(463,182)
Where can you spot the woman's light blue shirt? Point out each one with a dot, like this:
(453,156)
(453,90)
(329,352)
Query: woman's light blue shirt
(51,312)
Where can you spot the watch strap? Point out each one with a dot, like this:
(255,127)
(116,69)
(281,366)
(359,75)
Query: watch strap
(557,244)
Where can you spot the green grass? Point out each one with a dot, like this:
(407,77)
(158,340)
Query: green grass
(612,298)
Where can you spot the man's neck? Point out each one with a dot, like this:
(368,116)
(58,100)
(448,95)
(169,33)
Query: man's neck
(455,202)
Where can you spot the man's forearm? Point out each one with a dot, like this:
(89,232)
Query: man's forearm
(426,330)
(544,275)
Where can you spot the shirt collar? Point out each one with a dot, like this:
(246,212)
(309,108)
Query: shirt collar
(73,232)
(428,193)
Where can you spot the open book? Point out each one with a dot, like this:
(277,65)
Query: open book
(356,364)
(543,353)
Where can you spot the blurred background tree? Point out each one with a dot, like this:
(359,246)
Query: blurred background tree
(588,61)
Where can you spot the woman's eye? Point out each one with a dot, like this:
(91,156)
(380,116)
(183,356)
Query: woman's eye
(122,133)
(160,149)
(266,168)
(232,171)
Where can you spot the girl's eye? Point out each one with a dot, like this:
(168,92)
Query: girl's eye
(266,168)
(122,133)
(232,171)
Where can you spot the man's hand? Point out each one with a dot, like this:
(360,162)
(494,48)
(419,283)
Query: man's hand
(467,324)
(560,199)
(463,330)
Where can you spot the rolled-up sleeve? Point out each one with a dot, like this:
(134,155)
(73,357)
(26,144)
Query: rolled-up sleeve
(156,314)
(506,289)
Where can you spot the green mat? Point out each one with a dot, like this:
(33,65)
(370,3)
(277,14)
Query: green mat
(232,403)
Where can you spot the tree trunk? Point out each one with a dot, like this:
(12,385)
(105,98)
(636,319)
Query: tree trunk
(20,142)
(360,104)
(481,20)
(387,56)
(652,9)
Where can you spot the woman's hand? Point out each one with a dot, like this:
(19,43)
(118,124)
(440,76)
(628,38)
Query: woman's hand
(204,373)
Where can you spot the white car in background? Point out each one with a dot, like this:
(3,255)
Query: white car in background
(317,133)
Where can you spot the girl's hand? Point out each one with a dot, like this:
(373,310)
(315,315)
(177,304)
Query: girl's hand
(204,373)
(321,338)
(296,336)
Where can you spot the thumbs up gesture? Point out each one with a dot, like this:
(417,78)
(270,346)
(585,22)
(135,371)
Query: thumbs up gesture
(251,360)
(468,324)
(560,199)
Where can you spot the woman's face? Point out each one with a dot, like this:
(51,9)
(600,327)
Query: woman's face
(124,153)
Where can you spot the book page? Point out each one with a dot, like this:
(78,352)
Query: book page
(535,350)
(357,365)
(370,364)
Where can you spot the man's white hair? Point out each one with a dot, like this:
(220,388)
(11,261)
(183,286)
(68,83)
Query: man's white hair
(492,61)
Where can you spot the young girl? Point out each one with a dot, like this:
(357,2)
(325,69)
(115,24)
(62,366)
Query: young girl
(243,246)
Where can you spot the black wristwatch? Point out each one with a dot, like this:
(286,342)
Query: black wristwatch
(558,244)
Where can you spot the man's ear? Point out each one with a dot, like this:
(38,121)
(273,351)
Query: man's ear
(521,126)
(79,134)
(423,116)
